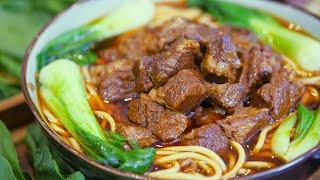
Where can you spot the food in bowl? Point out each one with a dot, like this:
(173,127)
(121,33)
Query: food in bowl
(177,92)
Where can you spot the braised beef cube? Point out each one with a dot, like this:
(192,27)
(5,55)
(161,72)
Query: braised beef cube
(169,126)
(141,72)
(165,124)
(138,43)
(207,115)
(165,65)
(179,27)
(185,46)
(117,81)
(227,95)
(245,123)
(280,95)
(221,58)
(183,92)
(132,132)
(210,136)
(258,67)
(110,54)
(142,110)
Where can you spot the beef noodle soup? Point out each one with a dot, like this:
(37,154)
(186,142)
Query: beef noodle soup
(211,100)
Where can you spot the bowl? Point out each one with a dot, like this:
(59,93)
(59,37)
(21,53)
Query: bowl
(85,11)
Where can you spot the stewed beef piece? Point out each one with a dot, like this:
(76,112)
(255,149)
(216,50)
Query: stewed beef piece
(179,27)
(157,69)
(165,124)
(168,63)
(131,45)
(184,92)
(207,115)
(256,71)
(280,95)
(227,95)
(221,58)
(210,136)
(132,132)
(244,123)
(117,81)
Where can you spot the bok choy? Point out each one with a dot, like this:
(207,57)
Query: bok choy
(303,50)
(77,44)
(297,134)
(62,88)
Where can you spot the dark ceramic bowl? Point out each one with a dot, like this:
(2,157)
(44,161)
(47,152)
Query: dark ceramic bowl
(83,12)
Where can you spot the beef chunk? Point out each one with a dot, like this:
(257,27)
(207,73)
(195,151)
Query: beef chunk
(165,124)
(256,71)
(245,123)
(179,27)
(132,132)
(258,67)
(210,136)
(168,63)
(117,81)
(183,92)
(141,72)
(227,95)
(207,115)
(221,58)
(157,69)
(280,95)
(138,43)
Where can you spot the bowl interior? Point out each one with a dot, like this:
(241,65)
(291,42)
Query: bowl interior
(83,12)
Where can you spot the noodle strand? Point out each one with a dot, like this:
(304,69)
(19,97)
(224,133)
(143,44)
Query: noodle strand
(107,117)
(241,159)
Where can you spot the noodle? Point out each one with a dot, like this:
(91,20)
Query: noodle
(74,144)
(198,149)
(232,161)
(204,166)
(86,74)
(182,176)
(158,174)
(240,161)
(165,152)
(50,116)
(258,164)
(107,117)
(96,97)
(59,130)
(184,155)
(261,139)
(244,171)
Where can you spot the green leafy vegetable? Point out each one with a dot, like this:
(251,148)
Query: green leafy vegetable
(303,50)
(8,152)
(310,139)
(62,88)
(306,134)
(45,160)
(305,117)
(77,43)
(6,170)
(280,140)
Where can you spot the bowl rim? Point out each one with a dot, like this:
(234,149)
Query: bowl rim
(263,174)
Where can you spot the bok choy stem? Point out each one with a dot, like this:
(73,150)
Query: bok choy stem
(62,89)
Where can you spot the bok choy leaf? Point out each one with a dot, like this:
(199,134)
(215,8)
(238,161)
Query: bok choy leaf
(77,44)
